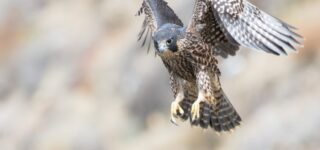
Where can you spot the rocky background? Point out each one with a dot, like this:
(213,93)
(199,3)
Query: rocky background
(73,77)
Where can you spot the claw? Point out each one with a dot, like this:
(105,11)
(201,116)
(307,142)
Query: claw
(176,108)
(195,109)
(173,120)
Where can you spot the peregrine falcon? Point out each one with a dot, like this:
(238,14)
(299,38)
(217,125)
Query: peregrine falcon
(217,28)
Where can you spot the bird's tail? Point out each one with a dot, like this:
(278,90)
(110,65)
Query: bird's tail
(221,117)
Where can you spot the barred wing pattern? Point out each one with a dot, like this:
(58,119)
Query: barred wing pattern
(254,28)
(157,13)
(207,27)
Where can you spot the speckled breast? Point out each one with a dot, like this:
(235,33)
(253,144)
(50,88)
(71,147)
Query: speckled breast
(180,66)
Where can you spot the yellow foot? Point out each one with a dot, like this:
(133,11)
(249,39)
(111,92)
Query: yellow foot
(175,109)
(195,109)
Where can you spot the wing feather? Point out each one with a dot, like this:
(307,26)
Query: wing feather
(207,27)
(224,25)
(254,28)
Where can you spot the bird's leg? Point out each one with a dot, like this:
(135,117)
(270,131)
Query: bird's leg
(205,93)
(195,109)
(176,108)
(177,90)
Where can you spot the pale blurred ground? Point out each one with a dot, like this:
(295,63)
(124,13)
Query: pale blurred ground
(72,77)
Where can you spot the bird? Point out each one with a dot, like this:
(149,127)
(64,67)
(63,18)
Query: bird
(189,52)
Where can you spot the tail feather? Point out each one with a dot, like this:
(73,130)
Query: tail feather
(220,117)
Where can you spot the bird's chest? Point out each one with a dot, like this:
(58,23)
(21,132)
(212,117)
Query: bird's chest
(180,66)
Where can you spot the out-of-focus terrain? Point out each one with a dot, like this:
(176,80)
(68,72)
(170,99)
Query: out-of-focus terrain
(73,77)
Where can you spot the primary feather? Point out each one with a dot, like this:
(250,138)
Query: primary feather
(217,28)
(253,28)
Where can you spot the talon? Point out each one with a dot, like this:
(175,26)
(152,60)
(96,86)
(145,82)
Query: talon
(175,109)
(195,110)
(173,120)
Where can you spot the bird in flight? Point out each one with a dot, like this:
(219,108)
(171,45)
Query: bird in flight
(217,28)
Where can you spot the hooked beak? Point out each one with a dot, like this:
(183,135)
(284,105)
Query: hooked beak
(162,47)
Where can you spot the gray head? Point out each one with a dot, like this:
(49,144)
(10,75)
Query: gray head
(166,38)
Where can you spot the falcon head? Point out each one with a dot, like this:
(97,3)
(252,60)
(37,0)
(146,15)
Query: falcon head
(166,39)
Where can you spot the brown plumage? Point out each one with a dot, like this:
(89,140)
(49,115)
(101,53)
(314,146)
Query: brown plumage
(189,53)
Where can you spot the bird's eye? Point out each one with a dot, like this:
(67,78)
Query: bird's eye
(169,41)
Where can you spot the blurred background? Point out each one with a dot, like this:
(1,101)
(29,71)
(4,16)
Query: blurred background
(73,77)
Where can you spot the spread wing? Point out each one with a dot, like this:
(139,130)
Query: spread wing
(157,13)
(205,24)
(226,24)
(253,28)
